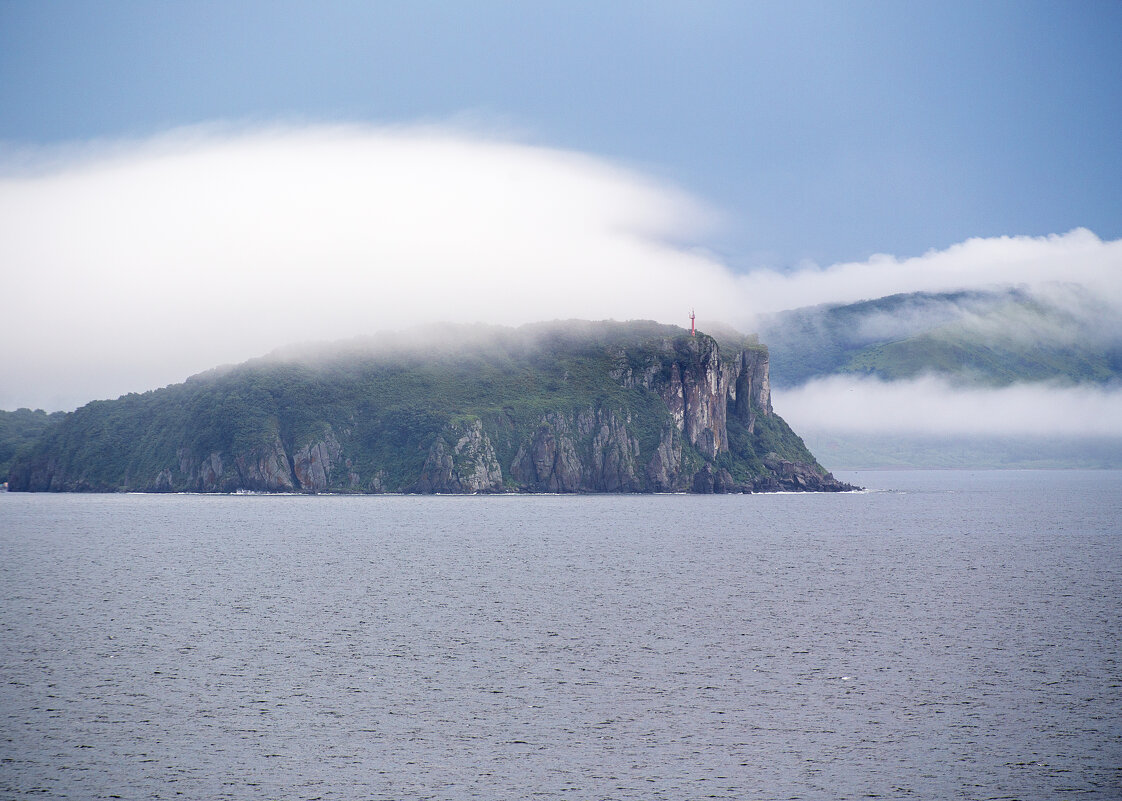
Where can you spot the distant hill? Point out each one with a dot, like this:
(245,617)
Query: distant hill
(560,407)
(995,338)
(1061,335)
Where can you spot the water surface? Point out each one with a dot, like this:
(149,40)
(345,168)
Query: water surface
(945,635)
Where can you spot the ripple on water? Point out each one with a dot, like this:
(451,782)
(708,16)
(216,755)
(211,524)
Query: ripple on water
(955,637)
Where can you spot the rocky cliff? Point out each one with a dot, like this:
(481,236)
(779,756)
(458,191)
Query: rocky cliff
(580,408)
(461,459)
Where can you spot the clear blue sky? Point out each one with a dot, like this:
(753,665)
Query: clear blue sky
(825,131)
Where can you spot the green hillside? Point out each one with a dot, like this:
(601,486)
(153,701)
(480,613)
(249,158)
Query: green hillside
(554,407)
(19,430)
(993,338)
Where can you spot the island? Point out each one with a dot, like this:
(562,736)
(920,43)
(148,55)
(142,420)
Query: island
(560,407)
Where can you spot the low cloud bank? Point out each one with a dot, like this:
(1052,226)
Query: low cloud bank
(933,406)
(1039,264)
(130,265)
(136,265)
(1050,313)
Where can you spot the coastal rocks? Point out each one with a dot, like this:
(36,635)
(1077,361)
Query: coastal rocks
(550,462)
(311,465)
(595,449)
(708,481)
(378,482)
(264,468)
(209,472)
(613,453)
(205,474)
(467,465)
(40,474)
(591,451)
(797,477)
(664,470)
(700,389)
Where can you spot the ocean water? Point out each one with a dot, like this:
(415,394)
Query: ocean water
(943,635)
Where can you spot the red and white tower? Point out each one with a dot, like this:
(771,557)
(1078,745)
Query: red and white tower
(693,331)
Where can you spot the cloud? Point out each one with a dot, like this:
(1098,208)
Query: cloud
(1078,257)
(132,264)
(932,406)
(137,265)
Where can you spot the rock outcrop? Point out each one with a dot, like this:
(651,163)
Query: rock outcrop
(795,477)
(312,464)
(700,389)
(549,462)
(664,470)
(749,387)
(264,468)
(589,451)
(462,459)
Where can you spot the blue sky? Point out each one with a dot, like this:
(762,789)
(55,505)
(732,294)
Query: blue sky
(821,131)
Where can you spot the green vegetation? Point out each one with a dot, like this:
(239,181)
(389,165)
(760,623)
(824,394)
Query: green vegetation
(18,432)
(995,360)
(376,407)
(992,338)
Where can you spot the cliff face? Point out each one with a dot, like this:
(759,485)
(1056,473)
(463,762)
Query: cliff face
(468,464)
(263,468)
(700,390)
(661,413)
(587,451)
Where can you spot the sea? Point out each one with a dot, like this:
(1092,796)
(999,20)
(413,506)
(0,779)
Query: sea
(940,635)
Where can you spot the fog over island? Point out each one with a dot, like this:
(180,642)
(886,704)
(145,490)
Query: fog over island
(346,172)
(138,263)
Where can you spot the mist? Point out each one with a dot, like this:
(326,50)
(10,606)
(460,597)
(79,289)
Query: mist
(1034,263)
(128,265)
(932,405)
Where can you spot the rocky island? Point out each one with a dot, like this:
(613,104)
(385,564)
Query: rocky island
(553,407)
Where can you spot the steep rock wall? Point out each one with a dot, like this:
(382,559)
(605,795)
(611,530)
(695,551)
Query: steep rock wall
(589,451)
(312,464)
(749,386)
(468,465)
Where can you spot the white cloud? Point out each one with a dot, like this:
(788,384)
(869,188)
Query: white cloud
(932,406)
(139,265)
(1077,257)
(130,265)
